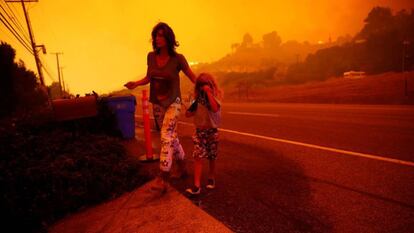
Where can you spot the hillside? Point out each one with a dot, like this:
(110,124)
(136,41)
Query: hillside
(387,88)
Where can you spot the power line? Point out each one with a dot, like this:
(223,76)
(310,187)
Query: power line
(16,20)
(19,27)
(11,28)
(15,34)
(45,67)
(48,73)
(32,40)
(15,24)
(10,39)
(13,16)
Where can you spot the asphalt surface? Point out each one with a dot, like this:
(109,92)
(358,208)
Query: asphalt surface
(266,185)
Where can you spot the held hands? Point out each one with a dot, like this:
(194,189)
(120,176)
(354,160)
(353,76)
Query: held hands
(189,113)
(192,109)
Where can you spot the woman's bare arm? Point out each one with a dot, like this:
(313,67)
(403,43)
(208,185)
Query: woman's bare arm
(189,73)
(132,84)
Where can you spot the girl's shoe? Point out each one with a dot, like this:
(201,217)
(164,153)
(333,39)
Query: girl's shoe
(194,190)
(211,183)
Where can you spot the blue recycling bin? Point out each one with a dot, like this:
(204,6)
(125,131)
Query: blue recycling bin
(124,109)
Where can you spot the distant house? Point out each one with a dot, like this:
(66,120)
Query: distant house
(354,74)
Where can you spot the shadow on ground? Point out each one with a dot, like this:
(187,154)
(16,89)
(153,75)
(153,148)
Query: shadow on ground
(258,190)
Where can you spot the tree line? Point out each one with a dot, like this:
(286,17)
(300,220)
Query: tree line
(20,90)
(385,44)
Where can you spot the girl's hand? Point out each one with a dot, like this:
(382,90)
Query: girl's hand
(206,89)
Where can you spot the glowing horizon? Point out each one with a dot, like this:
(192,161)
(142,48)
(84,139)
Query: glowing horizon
(105,42)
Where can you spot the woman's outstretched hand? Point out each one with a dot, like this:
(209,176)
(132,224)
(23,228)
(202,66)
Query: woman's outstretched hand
(130,85)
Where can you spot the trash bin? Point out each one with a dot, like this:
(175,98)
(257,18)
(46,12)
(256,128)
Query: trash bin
(124,109)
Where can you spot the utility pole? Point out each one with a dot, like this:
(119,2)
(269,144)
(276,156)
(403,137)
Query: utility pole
(32,40)
(58,70)
(405,44)
(63,80)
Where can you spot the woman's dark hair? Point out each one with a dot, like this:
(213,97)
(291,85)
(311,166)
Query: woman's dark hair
(169,37)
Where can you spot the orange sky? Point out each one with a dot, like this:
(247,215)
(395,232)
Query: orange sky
(105,42)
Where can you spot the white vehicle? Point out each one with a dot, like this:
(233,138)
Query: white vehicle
(354,74)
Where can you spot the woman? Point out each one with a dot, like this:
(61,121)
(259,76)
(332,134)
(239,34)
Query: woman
(163,67)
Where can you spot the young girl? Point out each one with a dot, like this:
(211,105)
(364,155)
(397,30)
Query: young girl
(206,112)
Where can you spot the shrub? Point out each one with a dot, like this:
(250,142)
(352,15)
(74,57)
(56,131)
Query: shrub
(50,170)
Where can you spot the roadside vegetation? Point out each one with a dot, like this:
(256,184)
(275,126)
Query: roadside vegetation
(47,168)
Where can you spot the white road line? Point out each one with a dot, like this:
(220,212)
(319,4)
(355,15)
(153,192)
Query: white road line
(254,114)
(357,154)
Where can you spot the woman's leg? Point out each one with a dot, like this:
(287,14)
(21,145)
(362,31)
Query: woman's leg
(169,136)
(179,157)
(178,149)
(158,111)
(168,133)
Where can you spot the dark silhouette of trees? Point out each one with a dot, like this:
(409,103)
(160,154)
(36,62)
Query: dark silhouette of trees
(7,55)
(244,82)
(248,56)
(19,89)
(379,21)
(271,40)
(55,92)
(377,48)
(247,41)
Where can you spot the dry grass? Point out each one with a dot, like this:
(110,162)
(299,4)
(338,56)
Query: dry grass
(387,88)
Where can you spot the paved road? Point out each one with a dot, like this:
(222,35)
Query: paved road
(387,131)
(312,168)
